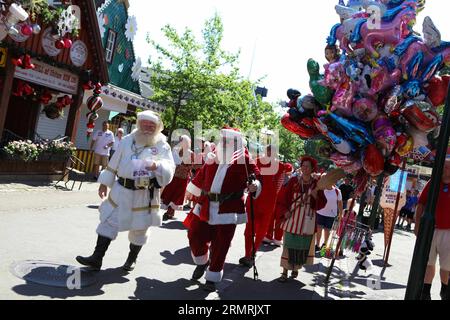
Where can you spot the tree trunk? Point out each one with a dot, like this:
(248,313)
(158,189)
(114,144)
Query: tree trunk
(174,120)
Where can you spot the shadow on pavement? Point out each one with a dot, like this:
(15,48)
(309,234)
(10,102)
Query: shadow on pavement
(61,188)
(181,256)
(372,282)
(104,277)
(174,225)
(267,248)
(336,288)
(265,290)
(182,289)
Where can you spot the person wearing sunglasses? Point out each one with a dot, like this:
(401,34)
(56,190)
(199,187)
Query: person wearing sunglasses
(441,239)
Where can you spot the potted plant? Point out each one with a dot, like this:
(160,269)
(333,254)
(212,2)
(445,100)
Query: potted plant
(22,150)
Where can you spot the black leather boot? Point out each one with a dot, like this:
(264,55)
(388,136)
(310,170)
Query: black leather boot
(132,256)
(96,259)
(199,271)
(209,286)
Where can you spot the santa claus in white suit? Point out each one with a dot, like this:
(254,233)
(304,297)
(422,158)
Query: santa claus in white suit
(219,189)
(138,169)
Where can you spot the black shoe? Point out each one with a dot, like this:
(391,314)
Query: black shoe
(132,256)
(96,259)
(186,207)
(425,296)
(246,262)
(445,295)
(165,217)
(199,271)
(317,248)
(209,286)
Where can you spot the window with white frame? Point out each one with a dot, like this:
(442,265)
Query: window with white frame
(110,45)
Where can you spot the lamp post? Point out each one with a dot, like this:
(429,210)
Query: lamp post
(426,228)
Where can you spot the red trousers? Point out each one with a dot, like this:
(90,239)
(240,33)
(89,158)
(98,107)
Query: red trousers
(200,234)
(262,222)
(274,231)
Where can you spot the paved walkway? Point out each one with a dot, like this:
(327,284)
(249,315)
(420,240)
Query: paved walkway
(41,223)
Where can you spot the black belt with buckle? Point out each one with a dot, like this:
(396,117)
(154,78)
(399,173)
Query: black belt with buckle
(222,197)
(128,183)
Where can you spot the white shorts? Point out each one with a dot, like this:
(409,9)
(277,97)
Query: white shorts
(440,247)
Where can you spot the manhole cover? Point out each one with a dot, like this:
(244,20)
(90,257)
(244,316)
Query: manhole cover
(53,274)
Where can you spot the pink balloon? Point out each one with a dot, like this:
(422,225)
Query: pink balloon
(343,99)
(429,55)
(346,162)
(365,109)
(386,139)
(334,76)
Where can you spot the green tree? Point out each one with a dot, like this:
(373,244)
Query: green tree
(312,149)
(291,146)
(199,81)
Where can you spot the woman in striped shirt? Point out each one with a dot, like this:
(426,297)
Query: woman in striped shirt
(302,199)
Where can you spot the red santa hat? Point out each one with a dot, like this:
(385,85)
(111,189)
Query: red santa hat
(230,133)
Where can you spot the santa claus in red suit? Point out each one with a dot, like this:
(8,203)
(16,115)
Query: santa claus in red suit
(219,188)
(275,233)
(272,175)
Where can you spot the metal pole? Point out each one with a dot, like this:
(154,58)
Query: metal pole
(426,228)
(362,205)
(376,201)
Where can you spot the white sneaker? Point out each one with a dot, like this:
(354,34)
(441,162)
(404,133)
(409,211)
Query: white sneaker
(268,241)
(277,243)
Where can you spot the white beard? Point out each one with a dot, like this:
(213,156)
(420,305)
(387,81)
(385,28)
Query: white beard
(144,139)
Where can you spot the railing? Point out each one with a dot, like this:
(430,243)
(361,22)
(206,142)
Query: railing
(9,136)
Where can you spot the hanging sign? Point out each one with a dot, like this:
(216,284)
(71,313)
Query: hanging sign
(48,76)
(78,53)
(48,43)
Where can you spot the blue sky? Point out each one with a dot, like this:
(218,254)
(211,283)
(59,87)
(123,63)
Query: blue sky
(282,34)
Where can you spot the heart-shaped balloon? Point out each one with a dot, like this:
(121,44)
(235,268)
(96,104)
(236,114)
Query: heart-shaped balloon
(437,90)
(373,160)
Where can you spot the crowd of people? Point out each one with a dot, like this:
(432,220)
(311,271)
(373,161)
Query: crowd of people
(280,206)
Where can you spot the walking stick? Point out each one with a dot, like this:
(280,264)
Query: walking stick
(252,178)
